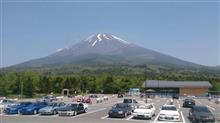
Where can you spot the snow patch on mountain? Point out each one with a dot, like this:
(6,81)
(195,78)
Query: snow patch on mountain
(99,37)
(93,44)
(119,39)
(104,35)
(60,49)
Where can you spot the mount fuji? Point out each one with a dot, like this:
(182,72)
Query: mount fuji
(103,49)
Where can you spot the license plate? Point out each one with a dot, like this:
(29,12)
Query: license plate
(169,118)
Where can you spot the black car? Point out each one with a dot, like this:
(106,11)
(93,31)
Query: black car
(72,109)
(132,102)
(175,96)
(189,103)
(201,114)
(120,110)
(120,95)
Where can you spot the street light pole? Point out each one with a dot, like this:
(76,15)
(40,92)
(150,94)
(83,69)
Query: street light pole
(145,83)
(21,84)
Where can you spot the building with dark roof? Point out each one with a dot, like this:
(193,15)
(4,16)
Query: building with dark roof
(195,88)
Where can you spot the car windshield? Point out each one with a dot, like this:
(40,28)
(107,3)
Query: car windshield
(53,104)
(189,100)
(120,105)
(202,109)
(72,105)
(145,106)
(172,108)
(127,101)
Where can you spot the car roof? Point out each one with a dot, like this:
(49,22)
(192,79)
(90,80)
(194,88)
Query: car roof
(189,99)
(166,105)
(199,106)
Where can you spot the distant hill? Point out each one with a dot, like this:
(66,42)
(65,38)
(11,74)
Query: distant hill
(104,49)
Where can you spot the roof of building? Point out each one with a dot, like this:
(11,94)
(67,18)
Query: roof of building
(175,84)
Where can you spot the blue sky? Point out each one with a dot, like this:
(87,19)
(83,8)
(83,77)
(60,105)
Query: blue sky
(186,30)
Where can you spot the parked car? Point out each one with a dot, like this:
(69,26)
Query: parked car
(14,108)
(169,113)
(49,98)
(105,98)
(87,100)
(217,100)
(72,109)
(120,110)
(33,108)
(200,114)
(99,99)
(145,111)
(120,95)
(5,103)
(132,102)
(189,103)
(175,96)
(93,96)
(52,108)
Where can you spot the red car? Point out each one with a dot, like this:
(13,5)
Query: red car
(87,100)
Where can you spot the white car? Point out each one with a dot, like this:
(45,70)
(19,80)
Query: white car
(144,111)
(217,100)
(99,99)
(169,113)
(4,103)
(105,98)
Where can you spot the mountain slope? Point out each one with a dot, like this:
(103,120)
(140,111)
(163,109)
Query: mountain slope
(104,49)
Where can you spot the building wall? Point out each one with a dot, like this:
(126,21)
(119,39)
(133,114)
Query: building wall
(193,91)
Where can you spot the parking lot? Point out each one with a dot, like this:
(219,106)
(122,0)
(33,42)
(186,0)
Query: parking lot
(98,113)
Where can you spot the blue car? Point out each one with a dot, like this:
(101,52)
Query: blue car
(14,109)
(33,108)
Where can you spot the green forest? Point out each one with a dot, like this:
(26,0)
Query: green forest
(105,79)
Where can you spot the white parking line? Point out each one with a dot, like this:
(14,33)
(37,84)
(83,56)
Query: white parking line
(178,102)
(211,107)
(156,117)
(90,112)
(129,117)
(104,117)
(199,102)
(182,117)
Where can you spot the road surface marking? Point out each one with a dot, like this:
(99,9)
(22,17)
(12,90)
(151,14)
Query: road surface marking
(157,117)
(182,117)
(199,102)
(104,117)
(90,112)
(179,105)
(129,117)
(211,107)
(178,102)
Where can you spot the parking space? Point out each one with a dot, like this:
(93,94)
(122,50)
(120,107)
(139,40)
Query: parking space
(98,113)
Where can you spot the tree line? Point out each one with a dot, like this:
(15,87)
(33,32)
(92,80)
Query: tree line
(32,82)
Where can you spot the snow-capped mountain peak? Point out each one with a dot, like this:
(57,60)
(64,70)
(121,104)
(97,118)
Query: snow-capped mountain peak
(100,37)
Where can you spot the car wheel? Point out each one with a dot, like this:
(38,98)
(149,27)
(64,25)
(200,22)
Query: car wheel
(19,112)
(35,112)
(75,113)
(54,112)
(85,110)
(193,120)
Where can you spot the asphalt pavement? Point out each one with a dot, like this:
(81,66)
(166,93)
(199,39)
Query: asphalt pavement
(98,113)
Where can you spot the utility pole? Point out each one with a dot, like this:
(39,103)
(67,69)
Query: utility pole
(145,83)
(21,87)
